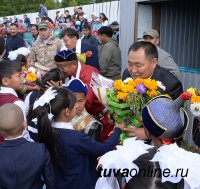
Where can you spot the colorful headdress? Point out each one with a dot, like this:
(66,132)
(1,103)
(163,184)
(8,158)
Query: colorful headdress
(65,55)
(76,85)
(165,118)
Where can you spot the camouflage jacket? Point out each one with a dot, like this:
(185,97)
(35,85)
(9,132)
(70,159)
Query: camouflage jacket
(43,54)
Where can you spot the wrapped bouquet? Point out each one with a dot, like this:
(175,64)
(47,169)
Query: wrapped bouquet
(30,75)
(195,101)
(125,99)
(128,97)
(83,56)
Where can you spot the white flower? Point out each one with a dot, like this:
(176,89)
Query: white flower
(195,109)
(12,55)
(160,85)
(127,80)
(32,69)
(24,51)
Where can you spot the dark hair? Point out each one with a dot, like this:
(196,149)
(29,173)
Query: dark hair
(52,75)
(35,25)
(149,49)
(13,24)
(2,45)
(66,11)
(70,33)
(153,181)
(86,26)
(21,59)
(46,134)
(8,68)
(104,16)
(80,8)
(105,30)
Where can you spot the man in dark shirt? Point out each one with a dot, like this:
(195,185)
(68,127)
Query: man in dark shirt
(14,40)
(88,37)
(142,63)
(34,32)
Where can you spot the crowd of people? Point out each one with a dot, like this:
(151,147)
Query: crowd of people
(53,128)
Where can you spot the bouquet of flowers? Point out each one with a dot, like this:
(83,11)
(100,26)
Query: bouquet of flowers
(194,101)
(30,75)
(128,97)
(83,56)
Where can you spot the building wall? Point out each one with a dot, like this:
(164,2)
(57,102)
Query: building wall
(180,32)
(111,10)
(180,36)
(127,15)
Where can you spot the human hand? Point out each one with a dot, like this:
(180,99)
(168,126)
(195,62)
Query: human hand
(136,132)
(121,125)
(53,84)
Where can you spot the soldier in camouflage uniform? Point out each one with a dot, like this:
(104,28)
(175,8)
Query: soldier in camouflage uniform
(45,48)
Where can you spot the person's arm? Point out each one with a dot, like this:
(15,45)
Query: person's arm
(48,171)
(136,132)
(91,147)
(21,43)
(105,58)
(45,10)
(95,42)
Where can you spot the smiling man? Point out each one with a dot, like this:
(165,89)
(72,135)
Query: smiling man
(72,42)
(14,40)
(143,63)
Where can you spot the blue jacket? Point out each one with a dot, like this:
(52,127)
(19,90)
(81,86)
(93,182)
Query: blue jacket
(22,163)
(94,59)
(42,12)
(77,152)
(13,43)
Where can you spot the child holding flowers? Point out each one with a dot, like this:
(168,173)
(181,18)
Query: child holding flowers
(23,57)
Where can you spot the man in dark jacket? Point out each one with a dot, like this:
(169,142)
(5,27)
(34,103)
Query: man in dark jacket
(72,42)
(109,54)
(14,40)
(88,37)
(142,63)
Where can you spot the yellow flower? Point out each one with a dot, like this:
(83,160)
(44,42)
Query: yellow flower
(118,84)
(195,99)
(122,96)
(81,57)
(23,68)
(139,80)
(132,89)
(152,93)
(125,88)
(31,77)
(192,91)
(132,83)
(151,84)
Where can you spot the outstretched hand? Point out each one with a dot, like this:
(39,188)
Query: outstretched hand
(136,132)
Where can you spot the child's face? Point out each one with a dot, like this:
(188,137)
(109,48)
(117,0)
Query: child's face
(15,82)
(29,62)
(80,102)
